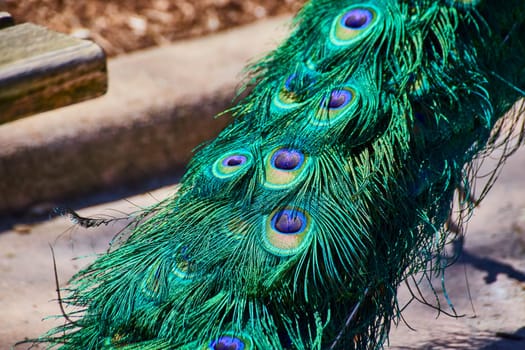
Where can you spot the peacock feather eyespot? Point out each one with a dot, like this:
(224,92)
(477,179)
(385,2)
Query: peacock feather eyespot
(230,342)
(286,99)
(357,18)
(227,343)
(182,270)
(284,167)
(352,24)
(289,81)
(339,99)
(234,160)
(117,340)
(287,159)
(288,222)
(232,164)
(334,108)
(151,284)
(183,267)
(287,231)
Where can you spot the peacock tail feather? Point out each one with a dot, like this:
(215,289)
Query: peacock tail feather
(294,228)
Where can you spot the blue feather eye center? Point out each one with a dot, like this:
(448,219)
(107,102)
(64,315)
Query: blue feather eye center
(227,343)
(357,18)
(286,159)
(287,231)
(340,105)
(288,221)
(289,81)
(285,167)
(234,160)
(338,99)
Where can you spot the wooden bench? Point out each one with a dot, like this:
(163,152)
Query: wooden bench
(42,70)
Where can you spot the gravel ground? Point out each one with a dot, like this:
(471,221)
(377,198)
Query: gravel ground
(124,26)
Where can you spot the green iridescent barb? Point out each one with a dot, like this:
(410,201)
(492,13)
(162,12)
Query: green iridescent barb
(294,228)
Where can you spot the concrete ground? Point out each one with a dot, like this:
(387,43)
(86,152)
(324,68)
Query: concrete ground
(487,285)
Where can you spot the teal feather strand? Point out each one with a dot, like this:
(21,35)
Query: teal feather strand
(333,185)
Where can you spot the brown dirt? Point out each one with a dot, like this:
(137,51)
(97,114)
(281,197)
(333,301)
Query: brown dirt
(123,26)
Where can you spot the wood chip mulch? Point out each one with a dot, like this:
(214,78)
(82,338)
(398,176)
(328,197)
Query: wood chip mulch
(123,26)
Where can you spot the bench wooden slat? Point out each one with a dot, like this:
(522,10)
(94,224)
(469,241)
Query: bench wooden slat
(42,70)
(6,20)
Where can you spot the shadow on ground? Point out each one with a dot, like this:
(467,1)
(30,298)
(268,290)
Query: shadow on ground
(482,341)
(44,211)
